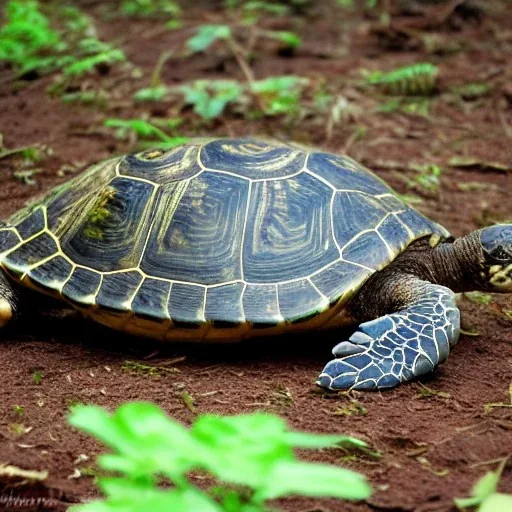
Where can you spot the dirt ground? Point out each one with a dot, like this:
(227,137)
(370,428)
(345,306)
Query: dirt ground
(436,436)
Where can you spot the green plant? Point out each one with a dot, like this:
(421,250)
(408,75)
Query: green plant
(19,410)
(484,494)
(141,129)
(427,178)
(26,39)
(415,80)
(253,452)
(350,4)
(30,44)
(90,53)
(210,97)
(156,93)
(37,377)
(279,94)
(149,7)
(206,35)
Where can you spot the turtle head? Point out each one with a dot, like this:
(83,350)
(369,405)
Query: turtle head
(496,242)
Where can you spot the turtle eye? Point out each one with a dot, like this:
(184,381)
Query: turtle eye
(500,255)
(497,243)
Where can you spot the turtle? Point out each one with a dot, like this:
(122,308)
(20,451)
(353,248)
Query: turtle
(224,239)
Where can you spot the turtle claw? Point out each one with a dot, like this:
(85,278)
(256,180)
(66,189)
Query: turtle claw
(358,371)
(346,348)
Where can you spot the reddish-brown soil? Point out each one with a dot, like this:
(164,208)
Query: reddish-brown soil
(436,437)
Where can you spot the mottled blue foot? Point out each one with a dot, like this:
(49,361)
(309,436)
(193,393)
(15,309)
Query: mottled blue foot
(397,347)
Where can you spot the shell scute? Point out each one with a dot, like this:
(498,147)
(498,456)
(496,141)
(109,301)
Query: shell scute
(343,173)
(198,238)
(151,299)
(32,224)
(27,255)
(224,304)
(186,305)
(289,233)
(51,274)
(251,159)
(118,290)
(111,231)
(162,167)
(82,286)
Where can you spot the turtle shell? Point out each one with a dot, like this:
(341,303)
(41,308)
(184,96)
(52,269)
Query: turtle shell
(220,240)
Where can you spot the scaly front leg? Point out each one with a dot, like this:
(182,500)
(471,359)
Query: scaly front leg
(400,346)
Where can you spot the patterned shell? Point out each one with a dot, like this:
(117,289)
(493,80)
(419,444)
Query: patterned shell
(212,241)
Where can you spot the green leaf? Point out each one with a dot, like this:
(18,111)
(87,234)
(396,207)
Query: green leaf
(142,128)
(145,439)
(206,35)
(289,39)
(243,449)
(151,93)
(497,502)
(129,496)
(486,486)
(210,97)
(308,479)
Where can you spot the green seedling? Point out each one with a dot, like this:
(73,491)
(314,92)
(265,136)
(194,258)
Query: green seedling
(427,178)
(26,39)
(354,408)
(252,452)
(210,97)
(484,494)
(37,377)
(351,4)
(31,154)
(19,429)
(416,80)
(254,10)
(143,130)
(150,7)
(472,91)
(97,98)
(157,93)
(91,53)
(288,39)
(27,176)
(189,401)
(416,106)
(29,42)
(206,35)
(426,392)
(279,94)
(19,410)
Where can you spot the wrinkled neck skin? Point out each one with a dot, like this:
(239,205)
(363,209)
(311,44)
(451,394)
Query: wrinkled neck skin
(458,265)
